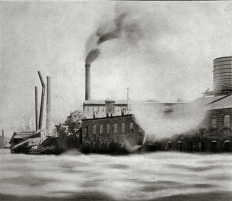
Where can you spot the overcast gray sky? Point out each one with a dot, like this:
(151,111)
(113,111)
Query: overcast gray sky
(171,57)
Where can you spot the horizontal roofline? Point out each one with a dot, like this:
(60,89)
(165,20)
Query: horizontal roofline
(103,101)
(166,102)
(127,115)
(124,102)
(223,57)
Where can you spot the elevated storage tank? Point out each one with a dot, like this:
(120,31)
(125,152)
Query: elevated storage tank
(222,75)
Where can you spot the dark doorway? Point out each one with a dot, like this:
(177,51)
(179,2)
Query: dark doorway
(202,146)
(179,146)
(213,146)
(226,146)
(169,145)
(190,146)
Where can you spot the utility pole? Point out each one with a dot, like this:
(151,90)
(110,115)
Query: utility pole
(127,101)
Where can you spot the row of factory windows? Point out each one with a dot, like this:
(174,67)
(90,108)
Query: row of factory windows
(101,108)
(109,128)
(226,122)
(201,145)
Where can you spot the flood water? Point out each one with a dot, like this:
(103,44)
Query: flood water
(153,176)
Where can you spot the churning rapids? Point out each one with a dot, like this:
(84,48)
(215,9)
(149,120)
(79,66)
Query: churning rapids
(153,176)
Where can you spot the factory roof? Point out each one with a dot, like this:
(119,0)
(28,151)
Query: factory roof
(212,103)
(25,134)
(110,117)
(165,102)
(124,102)
(102,102)
(22,134)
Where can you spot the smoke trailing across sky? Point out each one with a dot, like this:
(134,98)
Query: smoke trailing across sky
(124,27)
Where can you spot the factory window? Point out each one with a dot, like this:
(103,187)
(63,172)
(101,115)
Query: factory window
(94,138)
(101,145)
(214,123)
(94,129)
(131,127)
(96,109)
(227,121)
(85,133)
(123,127)
(115,128)
(108,128)
(101,129)
(86,108)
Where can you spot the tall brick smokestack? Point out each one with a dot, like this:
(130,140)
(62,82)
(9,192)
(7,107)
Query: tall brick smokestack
(49,115)
(87,81)
(36,108)
(124,26)
(3,140)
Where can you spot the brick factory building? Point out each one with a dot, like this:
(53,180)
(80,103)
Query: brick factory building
(110,133)
(99,108)
(216,127)
(108,122)
(214,132)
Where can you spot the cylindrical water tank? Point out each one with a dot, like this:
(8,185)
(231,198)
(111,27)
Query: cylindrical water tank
(222,75)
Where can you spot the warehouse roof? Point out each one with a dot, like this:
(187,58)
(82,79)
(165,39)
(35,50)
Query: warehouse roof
(217,102)
(26,134)
(102,102)
(110,117)
(124,102)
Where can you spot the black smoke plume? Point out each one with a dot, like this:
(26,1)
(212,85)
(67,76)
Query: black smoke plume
(124,26)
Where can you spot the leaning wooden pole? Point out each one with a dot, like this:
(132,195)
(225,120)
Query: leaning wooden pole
(42,101)
(36,108)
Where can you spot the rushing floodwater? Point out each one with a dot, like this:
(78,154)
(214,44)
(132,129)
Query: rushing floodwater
(154,176)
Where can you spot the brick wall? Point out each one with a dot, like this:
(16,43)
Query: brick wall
(215,135)
(220,129)
(100,110)
(103,140)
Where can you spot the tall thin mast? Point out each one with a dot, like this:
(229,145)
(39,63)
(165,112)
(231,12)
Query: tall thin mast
(127,101)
